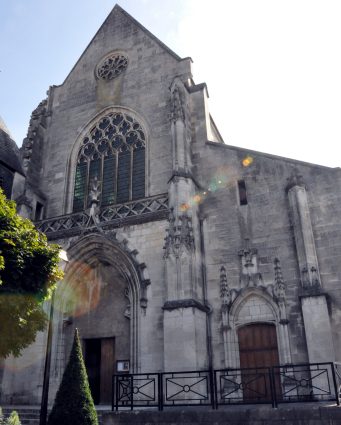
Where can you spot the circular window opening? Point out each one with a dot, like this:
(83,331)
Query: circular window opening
(111,66)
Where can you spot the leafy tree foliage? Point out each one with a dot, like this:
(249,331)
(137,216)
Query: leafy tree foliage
(74,404)
(28,272)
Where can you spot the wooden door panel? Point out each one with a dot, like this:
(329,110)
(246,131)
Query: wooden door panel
(107,368)
(92,364)
(258,349)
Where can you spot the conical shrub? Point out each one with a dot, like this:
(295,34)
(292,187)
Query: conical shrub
(74,404)
(13,419)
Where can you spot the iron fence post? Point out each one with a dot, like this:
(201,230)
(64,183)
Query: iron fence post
(131,392)
(117,392)
(273,387)
(113,392)
(211,375)
(337,398)
(160,380)
(216,390)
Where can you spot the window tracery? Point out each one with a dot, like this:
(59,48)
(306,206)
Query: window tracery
(112,66)
(113,153)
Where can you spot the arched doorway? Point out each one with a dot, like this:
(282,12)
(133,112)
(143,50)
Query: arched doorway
(257,350)
(100,295)
(96,307)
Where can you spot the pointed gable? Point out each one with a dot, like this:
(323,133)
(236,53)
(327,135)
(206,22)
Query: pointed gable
(119,25)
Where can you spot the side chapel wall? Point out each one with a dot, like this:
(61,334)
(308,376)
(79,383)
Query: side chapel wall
(265,223)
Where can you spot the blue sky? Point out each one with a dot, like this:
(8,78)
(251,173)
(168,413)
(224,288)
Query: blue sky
(272,67)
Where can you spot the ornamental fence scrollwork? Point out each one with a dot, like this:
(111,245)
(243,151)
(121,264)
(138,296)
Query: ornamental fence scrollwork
(294,383)
(189,388)
(146,209)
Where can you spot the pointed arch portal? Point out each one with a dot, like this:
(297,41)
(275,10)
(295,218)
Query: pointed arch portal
(100,295)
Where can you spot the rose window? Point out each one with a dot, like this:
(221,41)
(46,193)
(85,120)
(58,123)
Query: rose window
(112,66)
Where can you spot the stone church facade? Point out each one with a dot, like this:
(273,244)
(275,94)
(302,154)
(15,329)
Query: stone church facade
(183,252)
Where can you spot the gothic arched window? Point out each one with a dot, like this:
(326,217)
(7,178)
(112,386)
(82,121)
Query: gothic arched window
(113,153)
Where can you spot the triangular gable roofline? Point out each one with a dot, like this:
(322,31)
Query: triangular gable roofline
(119,8)
(271,156)
(177,57)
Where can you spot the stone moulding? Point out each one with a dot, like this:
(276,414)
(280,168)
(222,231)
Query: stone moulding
(135,212)
(175,304)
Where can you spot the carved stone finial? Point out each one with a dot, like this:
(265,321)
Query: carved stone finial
(249,269)
(179,235)
(225,292)
(315,281)
(279,288)
(177,109)
(294,180)
(310,278)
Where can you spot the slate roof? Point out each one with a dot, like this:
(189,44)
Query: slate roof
(9,151)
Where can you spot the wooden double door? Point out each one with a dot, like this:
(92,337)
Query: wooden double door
(258,350)
(99,363)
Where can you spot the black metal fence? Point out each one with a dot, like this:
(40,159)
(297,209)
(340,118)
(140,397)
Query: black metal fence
(313,382)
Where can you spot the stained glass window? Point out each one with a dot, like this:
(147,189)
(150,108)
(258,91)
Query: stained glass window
(114,152)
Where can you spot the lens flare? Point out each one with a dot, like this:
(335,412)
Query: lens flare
(247,161)
(80,291)
(184,207)
(225,177)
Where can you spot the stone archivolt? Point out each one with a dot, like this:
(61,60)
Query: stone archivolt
(275,289)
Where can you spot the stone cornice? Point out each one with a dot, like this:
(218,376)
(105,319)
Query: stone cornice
(186,303)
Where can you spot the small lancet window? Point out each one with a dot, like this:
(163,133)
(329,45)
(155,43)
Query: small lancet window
(113,154)
(242,192)
(39,211)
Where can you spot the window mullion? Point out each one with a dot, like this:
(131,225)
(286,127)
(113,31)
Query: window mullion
(87,184)
(116,177)
(131,175)
(102,179)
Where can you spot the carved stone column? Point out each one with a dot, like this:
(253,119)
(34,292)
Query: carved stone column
(226,299)
(313,300)
(185,339)
(279,297)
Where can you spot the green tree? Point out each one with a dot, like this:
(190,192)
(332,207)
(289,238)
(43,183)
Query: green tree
(74,404)
(28,273)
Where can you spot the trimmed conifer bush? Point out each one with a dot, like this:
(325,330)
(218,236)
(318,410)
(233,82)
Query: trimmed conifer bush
(74,404)
(13,418)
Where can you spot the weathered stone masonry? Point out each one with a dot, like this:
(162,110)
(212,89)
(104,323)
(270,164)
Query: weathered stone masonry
(176,241)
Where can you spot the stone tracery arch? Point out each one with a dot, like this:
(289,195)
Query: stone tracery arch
(84,254)
(254,305)
(135,138)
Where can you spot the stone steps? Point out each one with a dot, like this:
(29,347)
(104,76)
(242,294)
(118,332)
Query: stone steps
(233,415)
(293,414)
